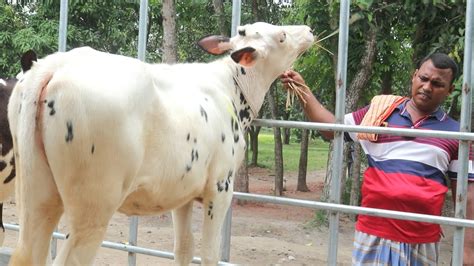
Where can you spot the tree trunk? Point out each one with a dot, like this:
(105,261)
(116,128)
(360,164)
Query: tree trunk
(353,93)
(387,82)
(272,102)
(286,130)
(253,132)
(286,135)
(355,176)
(303,163)
(170,54)
(219,9)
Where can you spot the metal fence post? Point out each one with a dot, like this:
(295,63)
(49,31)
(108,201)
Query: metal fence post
(465,126)
(62,39)
(338,141)
(133,230)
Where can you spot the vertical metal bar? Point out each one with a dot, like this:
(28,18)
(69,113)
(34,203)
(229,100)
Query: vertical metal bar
(142,33)
(236,10)
(226,235)
(142,29)
(463,156)
(63,11)
(338,141)
(62,26)
(227,226)
(132,239)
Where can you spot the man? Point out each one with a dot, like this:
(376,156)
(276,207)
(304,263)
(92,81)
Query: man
(405,173)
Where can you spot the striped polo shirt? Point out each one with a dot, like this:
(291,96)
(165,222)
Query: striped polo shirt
(407,174)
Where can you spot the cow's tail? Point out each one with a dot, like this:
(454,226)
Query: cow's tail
(26,121)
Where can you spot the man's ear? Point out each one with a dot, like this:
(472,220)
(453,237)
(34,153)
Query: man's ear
(414,75)
(451,88)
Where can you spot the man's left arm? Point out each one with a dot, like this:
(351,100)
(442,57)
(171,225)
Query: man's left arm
(469,232)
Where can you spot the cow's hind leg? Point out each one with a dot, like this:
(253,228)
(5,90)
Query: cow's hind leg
(215,210)
(183,236)
(88,208)
(40,210)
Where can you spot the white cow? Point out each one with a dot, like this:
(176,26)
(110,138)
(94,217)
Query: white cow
(95,133)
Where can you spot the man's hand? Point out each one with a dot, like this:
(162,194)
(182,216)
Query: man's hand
(291,76)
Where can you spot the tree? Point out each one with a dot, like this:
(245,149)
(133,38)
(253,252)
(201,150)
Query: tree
(169,32)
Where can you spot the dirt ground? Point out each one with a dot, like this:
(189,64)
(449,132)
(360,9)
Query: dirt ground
(262,234)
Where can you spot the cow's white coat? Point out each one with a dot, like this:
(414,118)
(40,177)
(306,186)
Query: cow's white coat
(95,133)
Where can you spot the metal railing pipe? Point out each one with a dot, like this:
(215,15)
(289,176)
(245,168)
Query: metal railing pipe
(378,130)
(356,210)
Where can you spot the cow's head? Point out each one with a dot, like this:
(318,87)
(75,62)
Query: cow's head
(267,49)
(275,46)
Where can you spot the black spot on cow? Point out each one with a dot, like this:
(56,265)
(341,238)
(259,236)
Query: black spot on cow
(188,168)
(233,151)
(242,70)
(228,180)
(188,136)
(220,187)
(67,236)
(51,106)
(203,112)
(195,140)
(192,155)
(223,137)
(236,138)
(209,211)
(3,164)
(196,155)
(92,149)
(244,114)
(69,134)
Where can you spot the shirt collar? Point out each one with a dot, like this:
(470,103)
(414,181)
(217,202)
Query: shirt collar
(438,114)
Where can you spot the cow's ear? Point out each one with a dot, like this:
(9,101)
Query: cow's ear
(215,44)
(245,56)
(27,60)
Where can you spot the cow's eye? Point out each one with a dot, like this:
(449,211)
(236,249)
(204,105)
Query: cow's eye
(282,37)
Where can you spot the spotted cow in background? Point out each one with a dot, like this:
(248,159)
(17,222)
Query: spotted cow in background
(7,160)
(95,133)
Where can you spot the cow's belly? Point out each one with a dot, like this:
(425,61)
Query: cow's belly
(155,196)
(145,202)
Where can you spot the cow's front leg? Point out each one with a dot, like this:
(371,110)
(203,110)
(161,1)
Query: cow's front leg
(183,235)
(215,210)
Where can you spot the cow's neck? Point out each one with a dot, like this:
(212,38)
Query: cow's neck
(248,94)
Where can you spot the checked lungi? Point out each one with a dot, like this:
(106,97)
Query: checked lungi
(373,250)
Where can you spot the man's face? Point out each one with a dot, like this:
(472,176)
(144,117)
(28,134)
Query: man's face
(430,87)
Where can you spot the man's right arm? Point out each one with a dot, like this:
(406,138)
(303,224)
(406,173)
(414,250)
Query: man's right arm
(313,109)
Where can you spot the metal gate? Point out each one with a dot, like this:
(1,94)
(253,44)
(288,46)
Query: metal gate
(333,205)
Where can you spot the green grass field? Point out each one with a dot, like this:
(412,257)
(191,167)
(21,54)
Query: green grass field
(317,152)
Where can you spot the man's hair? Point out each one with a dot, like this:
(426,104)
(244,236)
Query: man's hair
(442,61)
